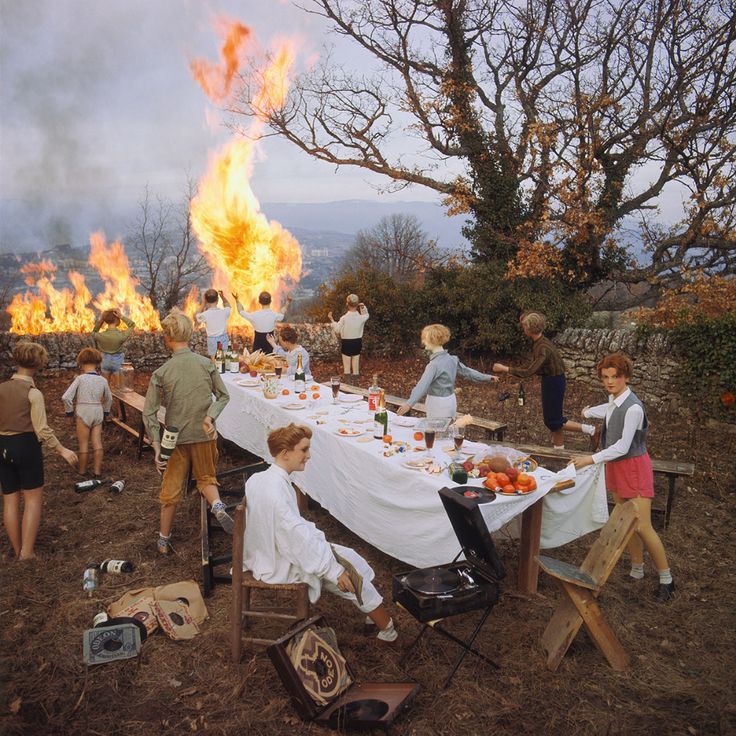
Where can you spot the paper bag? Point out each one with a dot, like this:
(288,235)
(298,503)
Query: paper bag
(175,620)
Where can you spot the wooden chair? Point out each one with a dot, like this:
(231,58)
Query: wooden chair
(244,584)
(582,585)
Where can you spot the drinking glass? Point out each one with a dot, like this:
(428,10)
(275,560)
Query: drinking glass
(278,369)
(335,386)
(458,436)
(429,438)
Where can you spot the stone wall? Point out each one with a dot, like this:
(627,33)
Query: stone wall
(654,367)
(146,350)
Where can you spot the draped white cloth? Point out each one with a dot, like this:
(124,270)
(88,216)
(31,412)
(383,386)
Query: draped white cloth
(394,508)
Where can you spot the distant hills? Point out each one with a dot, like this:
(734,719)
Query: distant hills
(31,226)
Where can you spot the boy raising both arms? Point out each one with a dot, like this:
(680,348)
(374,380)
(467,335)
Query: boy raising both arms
(110,343)
(215,320)
(187,381)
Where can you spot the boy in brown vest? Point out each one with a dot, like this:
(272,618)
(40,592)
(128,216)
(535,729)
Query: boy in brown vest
(23,428)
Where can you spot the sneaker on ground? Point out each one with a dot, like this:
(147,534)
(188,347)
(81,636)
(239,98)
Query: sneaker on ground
(163,545)
(224,520)
(665,592)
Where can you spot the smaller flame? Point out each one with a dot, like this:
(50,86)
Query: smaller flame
(216,80)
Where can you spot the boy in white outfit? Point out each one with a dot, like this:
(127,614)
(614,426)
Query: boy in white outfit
(282,547)
(215,319)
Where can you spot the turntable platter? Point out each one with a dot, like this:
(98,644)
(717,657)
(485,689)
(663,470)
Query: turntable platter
(433,581)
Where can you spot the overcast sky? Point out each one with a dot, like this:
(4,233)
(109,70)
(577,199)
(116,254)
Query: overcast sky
(97,100)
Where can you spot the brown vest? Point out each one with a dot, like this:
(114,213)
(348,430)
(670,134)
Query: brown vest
(15,408)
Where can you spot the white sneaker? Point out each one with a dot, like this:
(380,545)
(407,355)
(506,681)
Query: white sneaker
(389,633)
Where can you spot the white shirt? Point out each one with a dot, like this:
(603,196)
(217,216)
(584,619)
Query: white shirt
(215,319)
(281,546)
(633,421)
(264,320)
(351,325)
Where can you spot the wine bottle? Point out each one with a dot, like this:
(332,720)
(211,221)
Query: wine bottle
(226,361)
(168,442)
(374,394)
(521,399)
(219,359)
(234,360)
(300,379)
(116,566)
(89,485)
(380,418)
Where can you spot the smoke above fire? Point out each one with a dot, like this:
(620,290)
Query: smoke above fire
(246,252)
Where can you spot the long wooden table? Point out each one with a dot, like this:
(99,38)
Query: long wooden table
(376,497)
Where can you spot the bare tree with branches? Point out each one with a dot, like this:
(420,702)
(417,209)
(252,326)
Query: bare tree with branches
(551,123)
(395,245)
(163,237)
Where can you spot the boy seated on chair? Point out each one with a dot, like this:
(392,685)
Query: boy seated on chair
(282,547)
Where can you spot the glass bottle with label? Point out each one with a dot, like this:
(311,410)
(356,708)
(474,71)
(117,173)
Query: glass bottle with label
(234,359)
(521,399)
(374,394)
(380,418)
(300,379)
(227,360)
(219,359)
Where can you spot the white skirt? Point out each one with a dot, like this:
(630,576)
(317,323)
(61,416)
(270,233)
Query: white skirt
(441,407)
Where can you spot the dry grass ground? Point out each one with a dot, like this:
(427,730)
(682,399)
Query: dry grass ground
(681,680)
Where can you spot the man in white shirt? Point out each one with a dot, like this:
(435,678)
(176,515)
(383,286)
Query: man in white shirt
(282,547)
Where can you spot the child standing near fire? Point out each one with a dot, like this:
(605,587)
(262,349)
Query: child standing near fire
(264,320)
(89,398)
(188,382)
(23,428)
(350,331)
(110,343)
(629,475)
(215,320)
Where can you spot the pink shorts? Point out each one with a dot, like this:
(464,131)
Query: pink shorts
(631,477)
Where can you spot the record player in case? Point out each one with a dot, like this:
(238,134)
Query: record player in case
(473,584)
(322,670)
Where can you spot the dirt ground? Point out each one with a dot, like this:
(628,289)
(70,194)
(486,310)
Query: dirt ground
(681,679)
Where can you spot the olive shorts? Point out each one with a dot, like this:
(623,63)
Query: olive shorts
(201,458)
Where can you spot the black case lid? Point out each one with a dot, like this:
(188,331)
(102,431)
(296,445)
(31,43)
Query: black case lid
(470,527)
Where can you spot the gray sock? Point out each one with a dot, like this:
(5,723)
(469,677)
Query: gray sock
(637,571)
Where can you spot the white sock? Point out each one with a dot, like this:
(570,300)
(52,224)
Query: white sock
(587,429)
(369,621)
(665,576)
(637,571)
(389,633)
(558,447)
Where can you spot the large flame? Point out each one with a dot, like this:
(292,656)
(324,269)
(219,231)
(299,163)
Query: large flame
(247,253)
(67,310)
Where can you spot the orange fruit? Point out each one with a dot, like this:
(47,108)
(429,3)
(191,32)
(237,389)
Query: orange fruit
(314,388)
(524,479)
(727,398)
(508,488)
(418,436)
(502,479)
(388,439)
(315,395)
(285,392)
(302,396)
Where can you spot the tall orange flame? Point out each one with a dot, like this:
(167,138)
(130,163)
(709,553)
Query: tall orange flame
(247,253)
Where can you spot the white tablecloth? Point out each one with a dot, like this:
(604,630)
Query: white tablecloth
(394,508)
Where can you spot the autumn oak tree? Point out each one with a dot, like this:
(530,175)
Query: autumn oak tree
(552,124)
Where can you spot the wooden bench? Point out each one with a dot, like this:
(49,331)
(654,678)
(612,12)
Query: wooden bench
(671,469)
(493,430)
(133,400)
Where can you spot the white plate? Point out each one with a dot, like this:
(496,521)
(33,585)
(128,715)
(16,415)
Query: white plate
(248,382)
(418,463)
(292,407)
(404,421)
(350,398)
(348,432)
